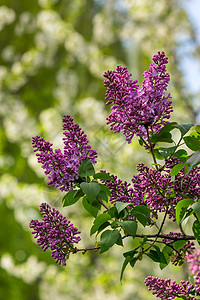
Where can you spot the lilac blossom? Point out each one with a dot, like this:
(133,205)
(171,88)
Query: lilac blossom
(155,188)
(194,261)
(55,232)
(120,190)
(62,169)
(165,289)
(133,108)
(159,191)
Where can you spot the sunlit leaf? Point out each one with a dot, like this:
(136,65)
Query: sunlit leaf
(69,198)
(108,239)
(181,209)
(91,189)
(99,221)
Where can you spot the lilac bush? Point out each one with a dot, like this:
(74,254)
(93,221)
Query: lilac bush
(166,192)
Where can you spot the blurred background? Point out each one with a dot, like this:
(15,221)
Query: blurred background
(52,57)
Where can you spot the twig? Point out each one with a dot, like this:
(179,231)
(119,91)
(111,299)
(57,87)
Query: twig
(101,202)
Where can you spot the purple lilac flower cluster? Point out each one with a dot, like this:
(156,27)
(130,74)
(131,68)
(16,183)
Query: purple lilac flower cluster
(165,289)
(159,190)
(188,185)
(134,108)
(55,232)
(150,186)
(179,257)
(155,188)
(194,261)
(62,169)
(120,190)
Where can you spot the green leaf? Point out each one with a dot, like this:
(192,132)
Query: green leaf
(108,239)
(103,176)
(140,142)
(176,169)
(86,168)
(196,207)
(125,263)
(156,255)
(123,214)
(184,128)
(91,208)
(195,135)
(184,222)
(79,193)
(181,154)
(133,261)
(102,227)
(196,230)
(179,244)
(197,128)
(102,195)
(193,161)
(121,205)
(105,189)
(192,143)
(168,127)
(113,212)
(130,227)
(181,209)
(162,137)
(158,155)
(130,253)
(167,254)
(141,212)
(69,198)
(165,152)
(143,209)
(91,189)
(120,241)
(99,221)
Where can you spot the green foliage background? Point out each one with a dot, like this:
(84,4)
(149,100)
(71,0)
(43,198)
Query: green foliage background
(53,55)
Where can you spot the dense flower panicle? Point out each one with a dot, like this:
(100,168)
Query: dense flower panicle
(155,188)
(159,190)
(75,141)
(134,108)
(189,184)
(165,289)
(187,248)
(62,169)
(55,232)
(61,172)
(120,91)
(120,190)
(149,186)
